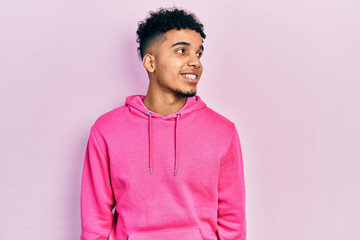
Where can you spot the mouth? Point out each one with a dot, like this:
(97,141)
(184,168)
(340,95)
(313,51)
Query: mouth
(193,78)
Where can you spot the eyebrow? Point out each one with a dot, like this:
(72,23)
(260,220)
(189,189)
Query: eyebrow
(185,43)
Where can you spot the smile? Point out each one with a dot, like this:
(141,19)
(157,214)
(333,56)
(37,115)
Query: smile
(192,78)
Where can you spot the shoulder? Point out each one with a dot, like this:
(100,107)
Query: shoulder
(106,121)
(220,121)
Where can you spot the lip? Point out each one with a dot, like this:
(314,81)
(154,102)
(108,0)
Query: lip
(196,80)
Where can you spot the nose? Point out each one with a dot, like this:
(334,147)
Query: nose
(194,61)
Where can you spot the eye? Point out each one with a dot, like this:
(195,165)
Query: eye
(199,54)
(181,49)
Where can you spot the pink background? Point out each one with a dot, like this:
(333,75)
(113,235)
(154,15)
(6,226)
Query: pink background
(286,72)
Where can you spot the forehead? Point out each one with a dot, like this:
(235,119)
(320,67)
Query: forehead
(183,35)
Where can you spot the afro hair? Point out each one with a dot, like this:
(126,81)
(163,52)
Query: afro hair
(158,23)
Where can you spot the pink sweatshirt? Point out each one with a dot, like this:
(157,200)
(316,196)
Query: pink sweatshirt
(174,177)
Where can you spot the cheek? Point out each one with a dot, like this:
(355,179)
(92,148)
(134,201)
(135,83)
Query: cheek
(171,67)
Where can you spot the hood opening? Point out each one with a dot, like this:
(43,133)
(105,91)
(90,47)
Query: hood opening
(135,104)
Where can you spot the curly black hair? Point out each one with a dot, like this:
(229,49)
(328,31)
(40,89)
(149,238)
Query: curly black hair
(154,27)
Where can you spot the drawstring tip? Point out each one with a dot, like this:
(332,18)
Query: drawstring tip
(151,171)
(175,172)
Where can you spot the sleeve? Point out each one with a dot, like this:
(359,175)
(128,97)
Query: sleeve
(97,198)
(231,193)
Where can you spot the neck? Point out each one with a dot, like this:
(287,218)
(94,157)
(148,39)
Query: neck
(164,103)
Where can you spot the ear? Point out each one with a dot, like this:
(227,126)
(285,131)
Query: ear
(149,62)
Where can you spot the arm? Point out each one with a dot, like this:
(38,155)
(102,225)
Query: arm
(231,193)
(97,198)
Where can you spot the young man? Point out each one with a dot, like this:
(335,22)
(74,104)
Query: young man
(171,166)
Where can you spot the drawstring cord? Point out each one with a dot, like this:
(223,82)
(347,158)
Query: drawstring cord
(150,158)
(176,143)
(176,134)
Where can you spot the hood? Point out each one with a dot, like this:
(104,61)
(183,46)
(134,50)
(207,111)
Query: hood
(136,106)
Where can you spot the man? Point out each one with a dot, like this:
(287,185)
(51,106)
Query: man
(172,166)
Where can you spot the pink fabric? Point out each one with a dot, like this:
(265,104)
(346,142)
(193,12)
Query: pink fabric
(176,177)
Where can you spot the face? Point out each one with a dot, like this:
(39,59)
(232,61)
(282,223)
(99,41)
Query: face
(176,62)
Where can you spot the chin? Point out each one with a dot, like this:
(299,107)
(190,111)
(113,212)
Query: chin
(185,94)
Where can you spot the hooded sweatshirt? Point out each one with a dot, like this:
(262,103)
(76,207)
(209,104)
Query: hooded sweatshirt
(153,177)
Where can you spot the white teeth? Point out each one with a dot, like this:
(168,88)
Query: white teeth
(190,76)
